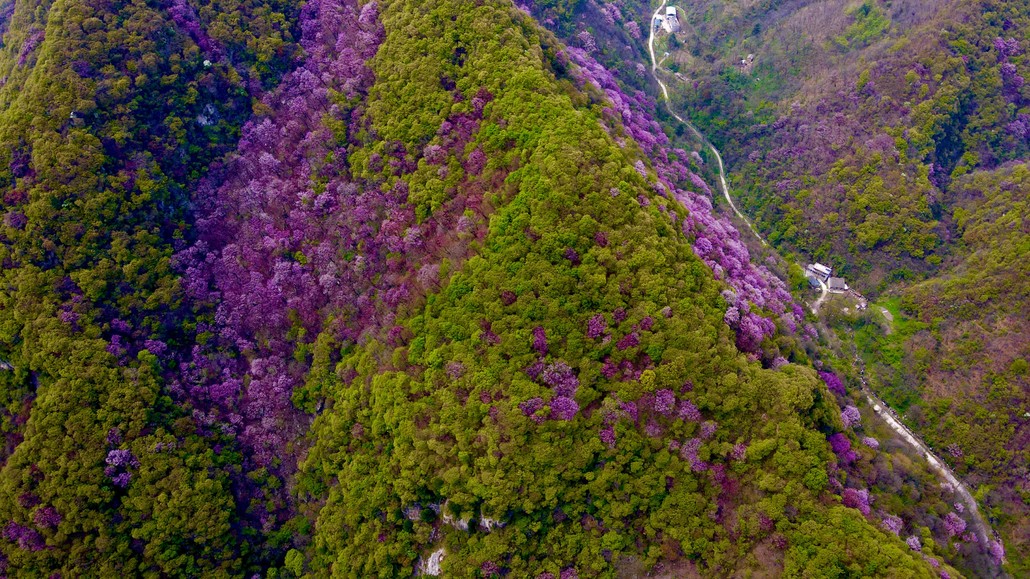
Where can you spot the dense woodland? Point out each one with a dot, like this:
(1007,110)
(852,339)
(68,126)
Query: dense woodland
(371,289)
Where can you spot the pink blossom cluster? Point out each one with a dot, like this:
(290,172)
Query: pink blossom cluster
(540,341)
(27,538)
(842,448)
(47,517)
(626,370)
(607,435)
(531,406)
(739,451)
(6,11)
(561,378)
(596,326)
(833,382)
(997,551)
(609,11)
(688,411)
(1007,48)
(664,402)
(186,19)
(119,462)
(33,40)
(563,381)
(689,452)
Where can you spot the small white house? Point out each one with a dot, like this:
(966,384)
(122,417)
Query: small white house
(671,22)
(820,270)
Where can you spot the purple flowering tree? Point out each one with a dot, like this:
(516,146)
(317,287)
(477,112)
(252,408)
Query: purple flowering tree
(856,499)
(833,382)
(892,523)
(596,326)
(954,525)
(564,408)
(47,517)
(850,416)
(25,537)
(842,448)
(540,340)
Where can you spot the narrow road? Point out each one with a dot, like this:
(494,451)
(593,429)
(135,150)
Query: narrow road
(718,157)
(822,296)
(982,530)
(882,410)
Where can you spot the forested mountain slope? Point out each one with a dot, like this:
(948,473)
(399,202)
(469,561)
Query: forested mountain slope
(369,289)
(889,140)
(107,112)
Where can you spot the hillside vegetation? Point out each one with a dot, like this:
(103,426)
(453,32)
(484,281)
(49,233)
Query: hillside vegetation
(889,140)
(370,289)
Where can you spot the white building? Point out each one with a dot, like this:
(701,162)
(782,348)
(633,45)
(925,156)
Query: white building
(671,22)
(821,271)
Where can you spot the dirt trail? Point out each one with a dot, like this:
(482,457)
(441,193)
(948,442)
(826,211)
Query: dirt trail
(718,156)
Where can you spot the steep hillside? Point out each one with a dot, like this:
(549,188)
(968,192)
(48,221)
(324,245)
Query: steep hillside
(371,289)
(570,402)
(965,363)
(107,112)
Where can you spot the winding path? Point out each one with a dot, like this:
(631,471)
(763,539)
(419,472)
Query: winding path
(882,410)
(718,157)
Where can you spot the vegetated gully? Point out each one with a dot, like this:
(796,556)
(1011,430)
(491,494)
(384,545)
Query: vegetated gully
(878,406)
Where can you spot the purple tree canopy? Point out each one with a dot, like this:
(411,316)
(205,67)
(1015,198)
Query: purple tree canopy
(540,340)
(954,524)
(842,447)
(850,416)
(833,382)
(856,499)
(564,408)
(892,523)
